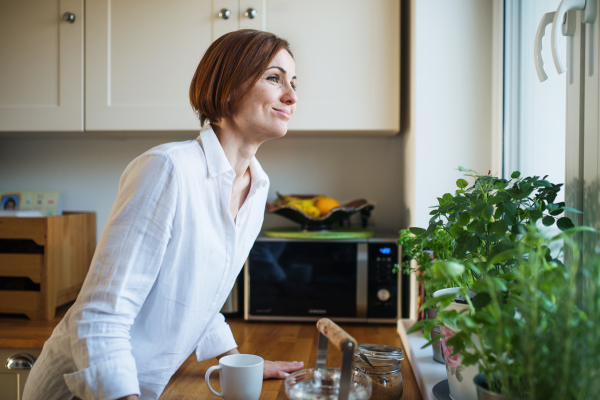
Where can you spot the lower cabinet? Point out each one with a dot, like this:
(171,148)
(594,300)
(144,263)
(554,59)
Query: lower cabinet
(15,371)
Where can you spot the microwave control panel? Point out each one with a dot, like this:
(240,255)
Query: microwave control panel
(382,291)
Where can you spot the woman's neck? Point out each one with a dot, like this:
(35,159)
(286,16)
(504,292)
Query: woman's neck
(237,148)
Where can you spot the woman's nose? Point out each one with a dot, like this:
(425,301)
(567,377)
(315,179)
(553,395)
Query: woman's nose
(289,95)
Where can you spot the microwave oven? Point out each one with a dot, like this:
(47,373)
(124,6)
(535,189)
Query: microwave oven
(349,280)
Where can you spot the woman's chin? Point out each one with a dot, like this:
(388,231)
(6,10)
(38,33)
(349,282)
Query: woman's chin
(279,131)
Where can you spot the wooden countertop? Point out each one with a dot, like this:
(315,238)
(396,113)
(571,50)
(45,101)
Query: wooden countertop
(282,341)
(20,331)
(276,341)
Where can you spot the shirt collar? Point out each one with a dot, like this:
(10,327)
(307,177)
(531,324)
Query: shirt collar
(218,163)
(216,160)
(259,177)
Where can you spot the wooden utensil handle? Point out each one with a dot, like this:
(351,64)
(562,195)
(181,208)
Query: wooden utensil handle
(336,335)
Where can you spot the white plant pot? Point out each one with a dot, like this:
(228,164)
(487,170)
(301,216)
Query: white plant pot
(460,377)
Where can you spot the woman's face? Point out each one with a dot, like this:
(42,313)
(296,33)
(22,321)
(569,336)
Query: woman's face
(264,111)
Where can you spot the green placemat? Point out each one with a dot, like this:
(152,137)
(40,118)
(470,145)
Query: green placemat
(341,233)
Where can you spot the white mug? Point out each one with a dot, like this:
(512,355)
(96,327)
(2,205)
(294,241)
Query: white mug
(241,377)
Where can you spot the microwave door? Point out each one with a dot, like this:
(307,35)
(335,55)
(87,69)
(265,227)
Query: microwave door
(303,279)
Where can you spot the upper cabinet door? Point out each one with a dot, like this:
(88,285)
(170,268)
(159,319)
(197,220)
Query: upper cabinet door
(41,65)
(141,56)
(347,55)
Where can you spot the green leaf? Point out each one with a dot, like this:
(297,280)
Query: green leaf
(435,300)
(480,230)
(515,175)
(548,220)
(473,225)
(417,326)
(447,197)
(510,219)
(572,210)
(461,183)
(481,300)
(564,223)
(500,227)
(510,208)
(463,169)
(499,211)
(535,215)
(431,228)
(487,212)
(457,231)
(472,244)
(498,198)
(572,231)
(476,210)
(464,218)
(417,231)
(447,269)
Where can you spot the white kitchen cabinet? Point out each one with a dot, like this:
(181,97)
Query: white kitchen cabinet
(141,56)
(41,65)
(347,55)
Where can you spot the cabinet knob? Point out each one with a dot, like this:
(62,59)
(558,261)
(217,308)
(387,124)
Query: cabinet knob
(251,13)
(20,361)
(224,13)
(69,17)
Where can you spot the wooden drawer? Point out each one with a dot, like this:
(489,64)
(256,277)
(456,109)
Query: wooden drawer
(53,253)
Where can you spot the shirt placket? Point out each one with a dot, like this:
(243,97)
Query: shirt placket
(225,183)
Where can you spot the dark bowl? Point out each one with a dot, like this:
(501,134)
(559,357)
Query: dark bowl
(324,222)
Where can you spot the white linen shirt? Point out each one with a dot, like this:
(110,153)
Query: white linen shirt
(164,265)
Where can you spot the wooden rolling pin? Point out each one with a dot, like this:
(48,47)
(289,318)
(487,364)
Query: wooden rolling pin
(336,335)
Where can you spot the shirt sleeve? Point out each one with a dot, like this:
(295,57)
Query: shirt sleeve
(124,268)
(218,339)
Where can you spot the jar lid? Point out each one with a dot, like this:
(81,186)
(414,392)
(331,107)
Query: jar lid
(379,351)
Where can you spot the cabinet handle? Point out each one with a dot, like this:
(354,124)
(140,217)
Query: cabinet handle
(20,361)
(224,13)
(69,17)
(251,13)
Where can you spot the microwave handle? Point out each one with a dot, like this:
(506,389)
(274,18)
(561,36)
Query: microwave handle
(362,279)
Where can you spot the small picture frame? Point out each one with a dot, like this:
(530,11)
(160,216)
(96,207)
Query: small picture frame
(10,201)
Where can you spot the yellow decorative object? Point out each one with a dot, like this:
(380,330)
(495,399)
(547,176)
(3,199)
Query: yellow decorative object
(326,204)
(312,211)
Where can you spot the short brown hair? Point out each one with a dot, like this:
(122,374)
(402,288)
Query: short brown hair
(232,60)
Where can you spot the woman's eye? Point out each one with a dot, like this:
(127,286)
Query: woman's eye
(273,78)
(293,86)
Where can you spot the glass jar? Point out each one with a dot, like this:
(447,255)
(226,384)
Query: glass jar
(382,364)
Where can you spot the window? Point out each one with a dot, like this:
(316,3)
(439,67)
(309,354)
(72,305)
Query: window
(534,111)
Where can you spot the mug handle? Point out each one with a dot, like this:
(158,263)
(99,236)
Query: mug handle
(207,376)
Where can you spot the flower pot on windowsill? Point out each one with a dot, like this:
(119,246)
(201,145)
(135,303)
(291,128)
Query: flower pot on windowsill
(484,392)
(460,377)
(435,332)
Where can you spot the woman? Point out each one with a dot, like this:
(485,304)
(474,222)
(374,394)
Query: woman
(179,232)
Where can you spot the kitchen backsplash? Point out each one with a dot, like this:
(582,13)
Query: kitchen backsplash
(87,171)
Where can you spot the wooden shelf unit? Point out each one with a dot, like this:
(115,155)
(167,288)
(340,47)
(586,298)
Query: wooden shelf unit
(68,242)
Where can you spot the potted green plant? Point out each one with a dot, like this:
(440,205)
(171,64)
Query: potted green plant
(438,247)
(483,220)
(537,337)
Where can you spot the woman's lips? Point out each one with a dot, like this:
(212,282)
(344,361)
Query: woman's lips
(284,113)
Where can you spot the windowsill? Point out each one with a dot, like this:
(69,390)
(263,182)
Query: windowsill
(427,372)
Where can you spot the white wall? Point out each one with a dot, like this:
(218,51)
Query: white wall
(86,171)
(446,122)
(449,115)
